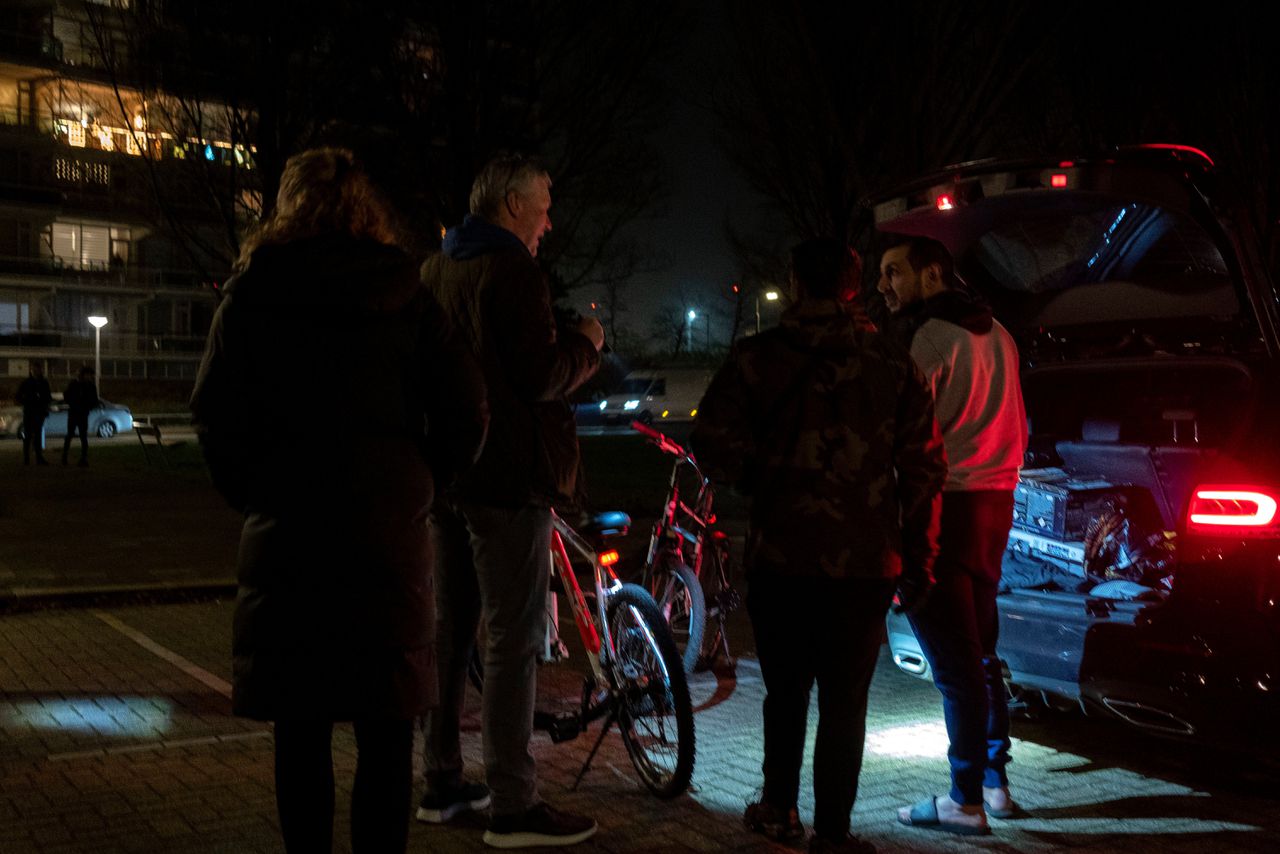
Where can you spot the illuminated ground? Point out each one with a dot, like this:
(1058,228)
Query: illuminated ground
(115,736)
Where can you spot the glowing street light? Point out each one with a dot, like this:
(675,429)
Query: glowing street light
(98,322)
(771,296)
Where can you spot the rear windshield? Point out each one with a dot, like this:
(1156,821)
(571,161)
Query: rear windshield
(1094,274)
(1140,261)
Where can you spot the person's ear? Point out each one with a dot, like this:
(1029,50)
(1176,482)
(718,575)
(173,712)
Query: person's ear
(512,202)
(932,275)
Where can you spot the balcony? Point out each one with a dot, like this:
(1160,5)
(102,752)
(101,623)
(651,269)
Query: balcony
(52,272)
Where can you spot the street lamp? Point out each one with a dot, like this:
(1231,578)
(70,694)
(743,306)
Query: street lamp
(771,296)
(98,322)
(688,330)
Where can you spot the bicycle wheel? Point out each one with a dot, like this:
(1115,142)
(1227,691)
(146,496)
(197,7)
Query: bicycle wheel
(655,713)
(680,599)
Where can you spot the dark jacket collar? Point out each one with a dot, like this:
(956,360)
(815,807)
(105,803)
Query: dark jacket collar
(477,236)
(959,305)
(335,269)
(823,324)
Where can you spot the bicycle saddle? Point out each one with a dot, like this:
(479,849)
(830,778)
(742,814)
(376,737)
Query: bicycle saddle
(612,523)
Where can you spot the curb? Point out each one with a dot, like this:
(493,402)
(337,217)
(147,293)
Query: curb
(16,600)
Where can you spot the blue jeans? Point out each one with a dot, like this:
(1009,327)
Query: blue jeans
(958,628)
(492,564)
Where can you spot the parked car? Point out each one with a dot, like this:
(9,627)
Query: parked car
(1142,577)
(656,395)
(105,421)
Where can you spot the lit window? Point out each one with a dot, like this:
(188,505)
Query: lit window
(75,134)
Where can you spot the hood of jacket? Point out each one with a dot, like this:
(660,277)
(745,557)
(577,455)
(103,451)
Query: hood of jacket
(959,305)
(477,236)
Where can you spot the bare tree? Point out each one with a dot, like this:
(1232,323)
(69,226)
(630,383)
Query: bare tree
(826,102)
(575,82)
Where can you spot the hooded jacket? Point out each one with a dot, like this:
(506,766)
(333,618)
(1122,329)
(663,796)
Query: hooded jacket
(498,304)
(829,427)
(326,397)
(971,364)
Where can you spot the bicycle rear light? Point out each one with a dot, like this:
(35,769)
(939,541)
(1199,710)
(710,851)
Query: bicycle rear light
(1234,510)
(609,558)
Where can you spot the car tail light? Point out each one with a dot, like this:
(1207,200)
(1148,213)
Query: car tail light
(1232,510)
(944,203)
(1058,181)
(608,558)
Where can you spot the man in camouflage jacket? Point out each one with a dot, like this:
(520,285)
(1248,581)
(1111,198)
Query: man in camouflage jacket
(829,427)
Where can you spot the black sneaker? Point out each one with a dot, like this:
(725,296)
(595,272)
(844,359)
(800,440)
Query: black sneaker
(769,821)
(442,805)
(539,825)
(849,845)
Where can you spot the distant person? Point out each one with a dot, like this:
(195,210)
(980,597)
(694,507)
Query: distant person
(829,427)
(334,619)
(971,364)
(81,398)
(493,532)
(35,397)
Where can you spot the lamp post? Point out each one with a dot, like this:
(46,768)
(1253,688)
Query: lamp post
(688,330)
(98,322)
(771,296)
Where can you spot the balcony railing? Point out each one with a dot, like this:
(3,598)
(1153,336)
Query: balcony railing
(123,343)
(106,275)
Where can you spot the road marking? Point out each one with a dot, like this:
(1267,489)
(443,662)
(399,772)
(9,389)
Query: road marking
(197,673)
(171,744)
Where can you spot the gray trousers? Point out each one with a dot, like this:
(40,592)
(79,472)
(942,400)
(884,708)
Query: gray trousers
(492,564)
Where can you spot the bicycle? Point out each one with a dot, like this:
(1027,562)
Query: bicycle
(635,678)
(688,569)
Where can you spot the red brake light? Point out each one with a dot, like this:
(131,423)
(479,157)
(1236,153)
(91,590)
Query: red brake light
(608,558)
(1233,510)
(944,203)
(1059,180)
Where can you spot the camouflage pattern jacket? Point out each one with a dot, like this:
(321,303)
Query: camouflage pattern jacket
(829,426)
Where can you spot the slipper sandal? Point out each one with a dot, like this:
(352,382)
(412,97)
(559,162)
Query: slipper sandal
(925,814)
(1011,811)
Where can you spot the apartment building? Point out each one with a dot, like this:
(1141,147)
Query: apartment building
(118,197)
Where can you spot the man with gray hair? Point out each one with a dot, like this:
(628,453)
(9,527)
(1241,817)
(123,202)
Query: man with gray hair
(492,529)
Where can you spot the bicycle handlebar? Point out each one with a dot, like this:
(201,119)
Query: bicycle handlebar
(663,442)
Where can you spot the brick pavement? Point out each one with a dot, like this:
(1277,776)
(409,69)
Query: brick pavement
(105,745)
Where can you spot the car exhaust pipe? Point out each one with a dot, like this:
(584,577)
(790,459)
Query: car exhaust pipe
(1148,717)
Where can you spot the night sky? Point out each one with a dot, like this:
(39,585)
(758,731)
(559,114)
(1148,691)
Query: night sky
(688,235)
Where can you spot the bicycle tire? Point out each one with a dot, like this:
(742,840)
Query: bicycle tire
(680,599)
(652,693)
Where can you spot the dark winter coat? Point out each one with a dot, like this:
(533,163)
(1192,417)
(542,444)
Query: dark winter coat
(81,398)
(497,299)
(325,398)
(829,426)
(34,396)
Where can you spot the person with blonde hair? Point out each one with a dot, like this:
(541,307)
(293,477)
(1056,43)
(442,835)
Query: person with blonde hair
(325,321)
